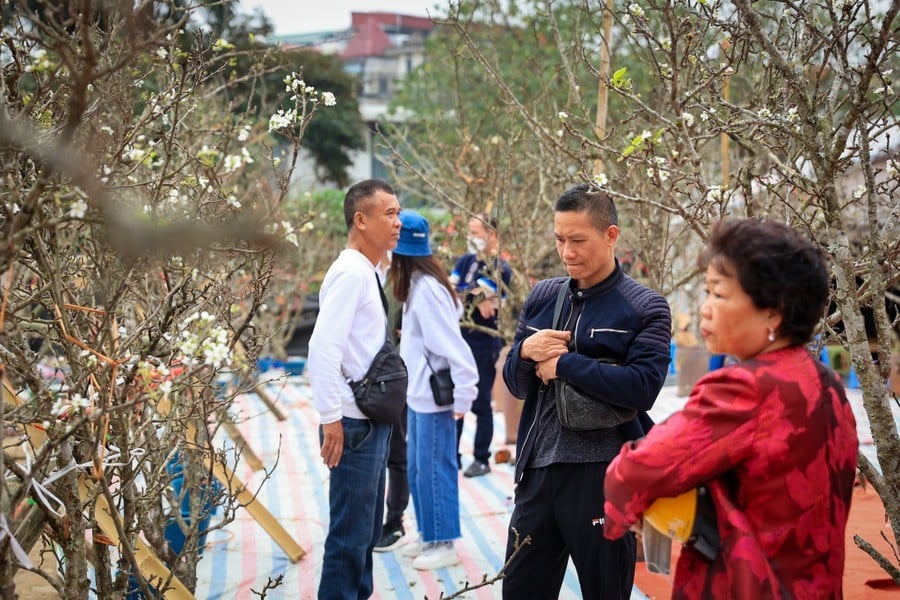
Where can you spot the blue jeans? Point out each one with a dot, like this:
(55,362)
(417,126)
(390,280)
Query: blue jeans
(433,479)
(356,506)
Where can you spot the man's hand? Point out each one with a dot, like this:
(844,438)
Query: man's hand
(332,444)
(487,308)
(546,344)
(546,369)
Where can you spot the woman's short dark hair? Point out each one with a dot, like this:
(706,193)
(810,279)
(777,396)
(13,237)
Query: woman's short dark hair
(776,267)
(586,197)
(359,193)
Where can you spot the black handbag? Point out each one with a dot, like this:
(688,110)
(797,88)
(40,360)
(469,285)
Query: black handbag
(441,385)
(381,393)
(578,410)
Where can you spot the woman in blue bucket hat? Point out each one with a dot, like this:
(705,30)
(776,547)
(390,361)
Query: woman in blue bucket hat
(431,342)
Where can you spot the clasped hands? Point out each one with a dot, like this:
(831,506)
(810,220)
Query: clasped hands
(545,347)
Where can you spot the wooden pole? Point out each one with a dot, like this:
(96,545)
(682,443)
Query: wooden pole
(603,87)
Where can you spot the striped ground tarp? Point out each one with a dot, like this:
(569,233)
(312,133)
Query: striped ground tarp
(242,558)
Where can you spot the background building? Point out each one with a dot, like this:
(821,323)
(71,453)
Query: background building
(379,48)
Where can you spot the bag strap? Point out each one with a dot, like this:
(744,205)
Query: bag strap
(384,303)
(560,301)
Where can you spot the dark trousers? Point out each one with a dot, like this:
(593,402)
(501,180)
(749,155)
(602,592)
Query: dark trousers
(561,508)
(398,482)
(486,361)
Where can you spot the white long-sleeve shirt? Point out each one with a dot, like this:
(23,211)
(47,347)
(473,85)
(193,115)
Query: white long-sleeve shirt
(431,325)
(349,330)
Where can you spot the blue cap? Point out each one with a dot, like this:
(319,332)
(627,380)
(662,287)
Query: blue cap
(413,235)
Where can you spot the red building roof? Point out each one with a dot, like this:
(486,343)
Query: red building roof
(370,38)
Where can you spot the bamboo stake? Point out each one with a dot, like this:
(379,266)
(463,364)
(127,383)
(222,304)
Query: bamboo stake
(603,87)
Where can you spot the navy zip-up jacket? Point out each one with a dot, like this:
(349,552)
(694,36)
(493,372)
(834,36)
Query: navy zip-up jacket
(617,319)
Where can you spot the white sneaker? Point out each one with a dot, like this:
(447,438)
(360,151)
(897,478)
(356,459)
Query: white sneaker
(414,547)
(436,555)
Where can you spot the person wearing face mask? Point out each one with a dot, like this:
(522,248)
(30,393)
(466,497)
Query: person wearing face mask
(481,277)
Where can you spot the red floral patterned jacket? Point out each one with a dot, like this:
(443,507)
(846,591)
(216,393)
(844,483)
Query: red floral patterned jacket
(774,438)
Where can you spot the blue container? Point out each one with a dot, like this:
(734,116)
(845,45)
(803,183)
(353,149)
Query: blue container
(671,358)
(295,366)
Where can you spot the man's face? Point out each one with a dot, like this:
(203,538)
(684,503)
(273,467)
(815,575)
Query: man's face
(381,220)
(586,251)
(478,236)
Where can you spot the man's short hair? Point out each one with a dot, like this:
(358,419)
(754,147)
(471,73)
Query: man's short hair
(359,193)
(489,221)
(591,199)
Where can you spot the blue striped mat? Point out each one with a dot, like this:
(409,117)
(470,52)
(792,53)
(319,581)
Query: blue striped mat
(242,559)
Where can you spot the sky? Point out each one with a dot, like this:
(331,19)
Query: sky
(304,16)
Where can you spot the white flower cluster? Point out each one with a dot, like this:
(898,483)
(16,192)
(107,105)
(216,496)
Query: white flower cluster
(282,119)
(40,62)
(233,162)
(601,179)
(201,341)
(658,171)
(636,10)
(892,168)
(65,405)
(301,93)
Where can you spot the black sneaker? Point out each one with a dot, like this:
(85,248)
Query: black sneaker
(390,539)
(477,469)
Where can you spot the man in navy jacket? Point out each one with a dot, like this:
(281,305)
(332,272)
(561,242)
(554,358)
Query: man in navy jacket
(559,472)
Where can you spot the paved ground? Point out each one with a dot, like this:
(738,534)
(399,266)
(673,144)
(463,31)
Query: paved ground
(240,559)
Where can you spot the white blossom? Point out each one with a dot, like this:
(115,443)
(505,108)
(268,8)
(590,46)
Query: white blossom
(688,119)
(601,179)
(78,209)
(282,119)
(859,192)
(244,133)
(892,168)
(328,99)
(635,9)
(562,115)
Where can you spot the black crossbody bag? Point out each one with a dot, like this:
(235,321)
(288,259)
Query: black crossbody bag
(381,393)
(441,385)
(578,410)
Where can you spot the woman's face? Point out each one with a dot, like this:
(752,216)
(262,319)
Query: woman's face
(729,321)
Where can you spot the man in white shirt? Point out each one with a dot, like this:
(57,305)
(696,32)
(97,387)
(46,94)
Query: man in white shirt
(349,331)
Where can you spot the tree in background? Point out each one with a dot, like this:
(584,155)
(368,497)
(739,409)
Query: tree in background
(779,110)
(142,215)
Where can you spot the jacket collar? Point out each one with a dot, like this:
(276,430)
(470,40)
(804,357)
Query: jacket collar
(601,288)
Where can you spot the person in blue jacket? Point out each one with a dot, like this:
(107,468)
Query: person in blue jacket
(560,472)
(481,278)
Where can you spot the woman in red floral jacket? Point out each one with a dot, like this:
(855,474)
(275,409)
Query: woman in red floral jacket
(772,437)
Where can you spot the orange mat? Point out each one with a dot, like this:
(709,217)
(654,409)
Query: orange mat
(863,578)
